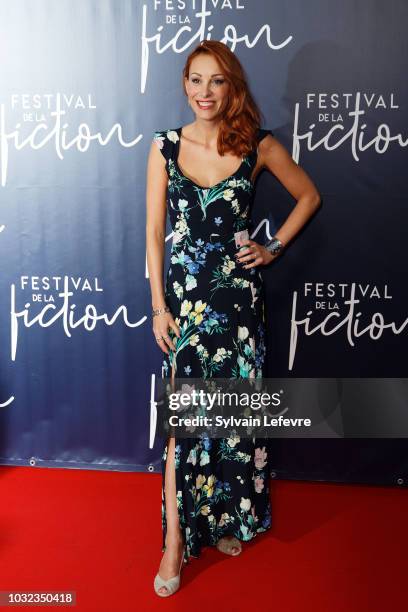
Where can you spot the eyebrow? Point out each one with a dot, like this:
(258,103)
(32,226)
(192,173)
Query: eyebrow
(216,74)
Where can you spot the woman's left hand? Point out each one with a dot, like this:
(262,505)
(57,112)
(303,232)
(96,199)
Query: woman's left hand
(254,255)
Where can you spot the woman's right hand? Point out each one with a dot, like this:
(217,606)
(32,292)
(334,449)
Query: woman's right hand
(161,324)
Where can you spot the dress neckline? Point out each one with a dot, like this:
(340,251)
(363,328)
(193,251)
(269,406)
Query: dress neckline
(231,176)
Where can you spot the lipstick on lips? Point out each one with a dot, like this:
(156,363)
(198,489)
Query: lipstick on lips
(204,105)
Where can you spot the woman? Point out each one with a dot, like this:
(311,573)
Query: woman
(208,319)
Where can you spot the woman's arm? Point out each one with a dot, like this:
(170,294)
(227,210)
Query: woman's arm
(156,185)
(273,156)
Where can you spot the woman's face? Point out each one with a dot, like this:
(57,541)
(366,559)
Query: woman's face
(207,87)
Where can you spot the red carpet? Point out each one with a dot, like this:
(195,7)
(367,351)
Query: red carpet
(332,547)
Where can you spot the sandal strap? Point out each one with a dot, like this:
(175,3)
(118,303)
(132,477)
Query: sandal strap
(171,585)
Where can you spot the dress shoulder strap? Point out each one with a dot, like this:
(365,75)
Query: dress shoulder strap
(262,133)
(166,140)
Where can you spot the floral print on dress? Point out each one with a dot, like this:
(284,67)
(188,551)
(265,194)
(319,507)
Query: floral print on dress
(222,484)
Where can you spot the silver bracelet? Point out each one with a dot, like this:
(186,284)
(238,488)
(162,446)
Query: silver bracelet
(160,311)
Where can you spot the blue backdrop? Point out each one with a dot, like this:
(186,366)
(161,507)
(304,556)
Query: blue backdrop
(83,87)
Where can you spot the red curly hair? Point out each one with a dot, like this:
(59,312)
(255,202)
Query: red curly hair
(241,116)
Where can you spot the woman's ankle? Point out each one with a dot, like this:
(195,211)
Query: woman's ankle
(174,540)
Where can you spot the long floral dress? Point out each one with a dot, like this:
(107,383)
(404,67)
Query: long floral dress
(222,484)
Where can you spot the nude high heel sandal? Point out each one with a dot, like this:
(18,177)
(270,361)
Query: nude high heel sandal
(171,585)
(226,545)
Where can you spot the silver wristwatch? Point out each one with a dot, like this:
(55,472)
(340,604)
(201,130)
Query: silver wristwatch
(274,245)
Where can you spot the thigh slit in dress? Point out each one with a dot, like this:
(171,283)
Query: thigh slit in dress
(222,484)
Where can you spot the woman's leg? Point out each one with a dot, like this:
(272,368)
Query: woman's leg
(170,563)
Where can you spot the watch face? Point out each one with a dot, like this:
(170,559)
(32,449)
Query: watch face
(274,247)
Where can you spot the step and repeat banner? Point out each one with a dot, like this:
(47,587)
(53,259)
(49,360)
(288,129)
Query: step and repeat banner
(84,84)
